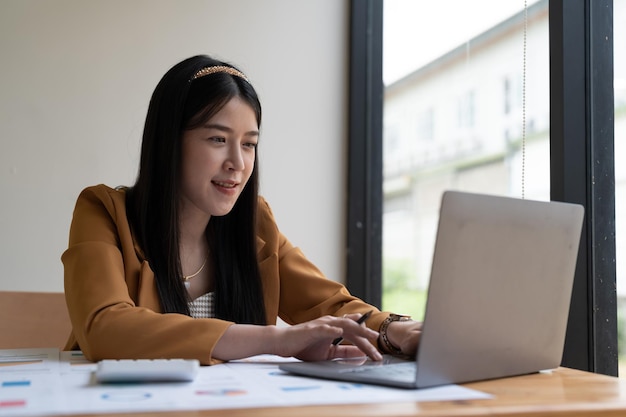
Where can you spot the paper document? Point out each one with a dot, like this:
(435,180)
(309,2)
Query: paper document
(46,382)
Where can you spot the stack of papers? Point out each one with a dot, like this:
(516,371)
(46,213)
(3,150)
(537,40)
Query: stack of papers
(41,382)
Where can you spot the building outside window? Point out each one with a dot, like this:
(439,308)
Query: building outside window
(458,92)
(489,97)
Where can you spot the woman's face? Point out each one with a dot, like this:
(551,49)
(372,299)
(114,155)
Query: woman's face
(217,160)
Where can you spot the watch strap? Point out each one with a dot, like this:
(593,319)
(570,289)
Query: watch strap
(383,341)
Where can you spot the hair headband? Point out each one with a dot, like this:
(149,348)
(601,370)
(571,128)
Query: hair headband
(219,68)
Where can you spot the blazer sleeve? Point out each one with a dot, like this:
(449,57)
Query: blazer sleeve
(305,293)
(102,274)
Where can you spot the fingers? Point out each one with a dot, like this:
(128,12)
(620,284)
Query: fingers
(358,319)
(348,323)
(314,340)
(359,335)
(348,351)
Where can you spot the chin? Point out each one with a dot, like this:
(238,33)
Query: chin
(222,211)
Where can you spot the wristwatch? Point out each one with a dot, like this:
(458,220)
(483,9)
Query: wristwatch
(386,345)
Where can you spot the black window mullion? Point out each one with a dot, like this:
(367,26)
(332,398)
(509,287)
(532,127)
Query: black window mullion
(365,165)
(582,170)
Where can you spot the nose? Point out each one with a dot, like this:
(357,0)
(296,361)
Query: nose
(235,161)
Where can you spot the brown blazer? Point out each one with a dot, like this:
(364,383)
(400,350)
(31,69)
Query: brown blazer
(114,307)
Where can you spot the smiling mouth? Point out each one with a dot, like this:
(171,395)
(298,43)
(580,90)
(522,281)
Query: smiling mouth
(225,184)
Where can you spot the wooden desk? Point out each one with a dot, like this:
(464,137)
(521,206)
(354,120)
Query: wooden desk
(562,392)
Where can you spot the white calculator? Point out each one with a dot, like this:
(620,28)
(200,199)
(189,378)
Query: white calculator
(147,370)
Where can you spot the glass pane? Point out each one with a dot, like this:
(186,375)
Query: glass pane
(464,109)
(619,45)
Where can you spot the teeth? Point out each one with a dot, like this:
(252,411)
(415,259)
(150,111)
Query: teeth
(224,184)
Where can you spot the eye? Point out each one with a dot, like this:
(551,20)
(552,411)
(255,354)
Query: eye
(251,145)
(217,139)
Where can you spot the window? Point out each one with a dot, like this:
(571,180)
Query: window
(574,107)
(466,110)
(465,141)
(513,93)
(507,95)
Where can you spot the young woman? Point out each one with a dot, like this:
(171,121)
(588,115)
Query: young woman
(189,262)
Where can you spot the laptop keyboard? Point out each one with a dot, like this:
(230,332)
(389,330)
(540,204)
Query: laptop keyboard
(398,371)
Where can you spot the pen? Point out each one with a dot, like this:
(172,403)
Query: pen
(359,321)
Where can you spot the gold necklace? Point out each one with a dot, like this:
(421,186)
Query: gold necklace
(188,277)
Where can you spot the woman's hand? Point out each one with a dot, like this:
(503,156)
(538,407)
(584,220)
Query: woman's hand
(313,340)
(310,341)
(405,335)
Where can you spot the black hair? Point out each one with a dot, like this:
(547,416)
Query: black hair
(180,103)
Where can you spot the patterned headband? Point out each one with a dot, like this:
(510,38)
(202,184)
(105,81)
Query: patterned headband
(219,68)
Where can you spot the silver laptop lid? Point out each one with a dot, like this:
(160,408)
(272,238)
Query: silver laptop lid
(500,288)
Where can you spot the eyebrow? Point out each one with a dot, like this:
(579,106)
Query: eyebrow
(228,129)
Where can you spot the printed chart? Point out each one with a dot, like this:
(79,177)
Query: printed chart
(41,382)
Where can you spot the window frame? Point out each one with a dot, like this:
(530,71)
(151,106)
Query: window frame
(582,164)
(583,170)
(365,161)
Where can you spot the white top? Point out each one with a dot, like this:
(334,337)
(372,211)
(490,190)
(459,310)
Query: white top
(203,307)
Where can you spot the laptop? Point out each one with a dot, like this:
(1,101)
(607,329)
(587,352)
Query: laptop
(498,298)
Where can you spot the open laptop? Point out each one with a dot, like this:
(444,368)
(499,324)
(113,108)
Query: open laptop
(498,299)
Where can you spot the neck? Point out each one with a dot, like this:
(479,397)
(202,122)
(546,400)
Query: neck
(193,244)
(192,227)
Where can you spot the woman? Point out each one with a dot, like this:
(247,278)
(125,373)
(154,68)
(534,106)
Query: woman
(189,262)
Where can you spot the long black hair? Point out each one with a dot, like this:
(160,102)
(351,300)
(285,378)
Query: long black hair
(179,103)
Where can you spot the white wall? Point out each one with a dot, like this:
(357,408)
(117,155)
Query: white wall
(75,80)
